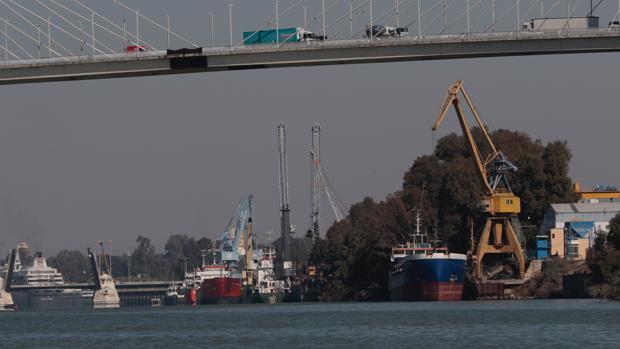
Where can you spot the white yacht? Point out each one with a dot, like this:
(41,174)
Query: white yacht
(40,274)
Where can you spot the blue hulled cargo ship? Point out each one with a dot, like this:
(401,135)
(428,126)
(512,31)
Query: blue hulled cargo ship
(421,271)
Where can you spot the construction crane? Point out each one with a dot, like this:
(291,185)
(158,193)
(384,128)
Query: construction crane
(232,246)
(286,264)
(321,183)
(499,204)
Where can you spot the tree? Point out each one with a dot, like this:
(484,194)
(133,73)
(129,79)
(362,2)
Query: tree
(73,266)
(613,237)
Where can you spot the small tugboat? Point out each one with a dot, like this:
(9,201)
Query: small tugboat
(172,296)
(422,271)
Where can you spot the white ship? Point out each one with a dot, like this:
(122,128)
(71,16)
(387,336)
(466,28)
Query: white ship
(268,288)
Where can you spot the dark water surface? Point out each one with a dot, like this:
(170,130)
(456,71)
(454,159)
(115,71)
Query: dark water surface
(486,324)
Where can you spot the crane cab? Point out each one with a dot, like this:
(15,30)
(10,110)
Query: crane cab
(502,204)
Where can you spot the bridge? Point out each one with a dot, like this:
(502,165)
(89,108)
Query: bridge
(446,29)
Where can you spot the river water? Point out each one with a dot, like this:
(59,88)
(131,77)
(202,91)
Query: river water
(482,324)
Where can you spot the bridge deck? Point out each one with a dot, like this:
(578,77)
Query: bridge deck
(310,54)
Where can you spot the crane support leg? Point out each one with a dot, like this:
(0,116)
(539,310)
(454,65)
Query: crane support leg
(496,226)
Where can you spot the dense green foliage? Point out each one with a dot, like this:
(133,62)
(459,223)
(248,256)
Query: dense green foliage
(354,257)
(604,261)
(146,262)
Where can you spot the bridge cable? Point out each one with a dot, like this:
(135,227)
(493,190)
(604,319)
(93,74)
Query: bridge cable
(143,42)
(434,20)
(76,27)
(154,23)
(34,26)
(75,13)
(52,24)
(425,13)
(16,43)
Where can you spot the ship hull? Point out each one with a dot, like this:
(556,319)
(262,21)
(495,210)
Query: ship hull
(222,290)
(428,278)
(269,298)
(51,299)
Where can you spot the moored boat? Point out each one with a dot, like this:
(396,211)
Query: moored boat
(221,290)
(422,271)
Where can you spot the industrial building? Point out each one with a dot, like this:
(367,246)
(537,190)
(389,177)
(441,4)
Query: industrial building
(570,229)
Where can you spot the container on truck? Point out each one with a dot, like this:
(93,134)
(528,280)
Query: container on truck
(562,23)
(280,36)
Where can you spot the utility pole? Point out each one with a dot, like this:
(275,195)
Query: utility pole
(6,41)
(277,24)
(518,18)
(371,34)
(493,15)
(324,33)
(124,34)
(168,28)
(138,30)
(305,18)
(49,37)
(92,29)
(445,15)
(419,18)
(230,24)
(351,18)
(212,26)
(468,26)
(397,14)
(39,40)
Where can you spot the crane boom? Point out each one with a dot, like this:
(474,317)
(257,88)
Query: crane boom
(337,206)
(498,201)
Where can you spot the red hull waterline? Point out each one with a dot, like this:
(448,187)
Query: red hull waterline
(223,290)
(428,291)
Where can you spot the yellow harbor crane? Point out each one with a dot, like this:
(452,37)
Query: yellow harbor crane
(499,204)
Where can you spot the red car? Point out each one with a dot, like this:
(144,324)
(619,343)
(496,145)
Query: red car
(135,48)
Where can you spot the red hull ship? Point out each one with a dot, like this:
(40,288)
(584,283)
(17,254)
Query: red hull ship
(221,290)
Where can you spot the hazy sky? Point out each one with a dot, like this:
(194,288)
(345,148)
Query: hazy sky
(155,156)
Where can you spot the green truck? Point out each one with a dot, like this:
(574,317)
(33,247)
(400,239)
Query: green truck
(280,36)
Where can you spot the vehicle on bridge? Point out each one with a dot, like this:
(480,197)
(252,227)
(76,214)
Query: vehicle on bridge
(562,23)
(614,24)
(280,36)
(386,31)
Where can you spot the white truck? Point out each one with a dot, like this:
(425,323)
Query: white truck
(386,31)
(561,23)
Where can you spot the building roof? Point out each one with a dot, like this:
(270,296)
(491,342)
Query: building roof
(603,207)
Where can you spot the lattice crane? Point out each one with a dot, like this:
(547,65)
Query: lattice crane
(499,203)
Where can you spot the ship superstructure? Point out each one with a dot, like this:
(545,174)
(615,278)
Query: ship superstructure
(268,289)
